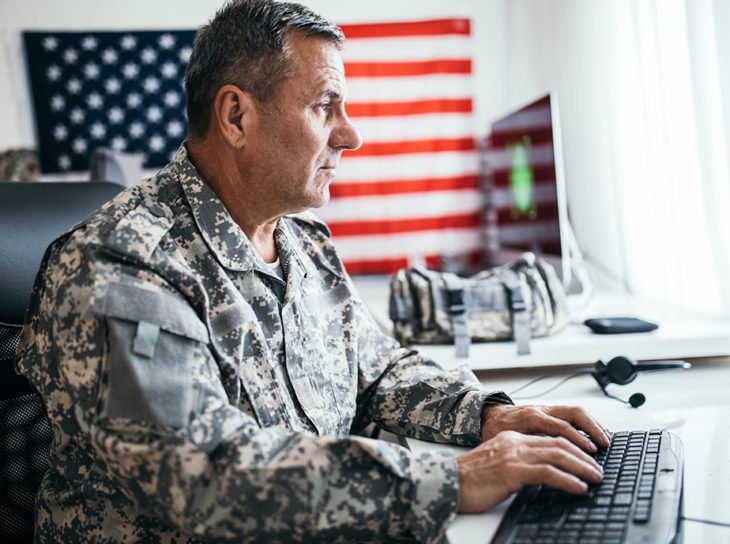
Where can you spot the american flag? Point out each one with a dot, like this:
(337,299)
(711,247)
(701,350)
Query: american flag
(411,193)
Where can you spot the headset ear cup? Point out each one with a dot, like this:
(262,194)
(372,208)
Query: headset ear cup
(621,370)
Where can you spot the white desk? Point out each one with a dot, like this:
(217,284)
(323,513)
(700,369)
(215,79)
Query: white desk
(680,335)
(694,404)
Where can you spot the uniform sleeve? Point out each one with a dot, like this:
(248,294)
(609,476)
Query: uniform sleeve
(133,383)
(409,394)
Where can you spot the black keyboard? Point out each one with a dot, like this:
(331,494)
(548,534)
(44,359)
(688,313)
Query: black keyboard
(639,499)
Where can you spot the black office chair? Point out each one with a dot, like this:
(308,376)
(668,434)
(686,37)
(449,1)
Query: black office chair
(31,216)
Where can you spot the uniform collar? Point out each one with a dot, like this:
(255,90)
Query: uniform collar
(221,233)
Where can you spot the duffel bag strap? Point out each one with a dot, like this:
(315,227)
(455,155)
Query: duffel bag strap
(520,317)
(456,308)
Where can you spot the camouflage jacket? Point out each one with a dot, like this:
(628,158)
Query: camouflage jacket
(195,397)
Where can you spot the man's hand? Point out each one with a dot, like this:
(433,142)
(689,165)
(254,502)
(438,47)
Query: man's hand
(506,463)
(562,421)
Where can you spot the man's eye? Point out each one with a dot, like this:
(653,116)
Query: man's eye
(325,106)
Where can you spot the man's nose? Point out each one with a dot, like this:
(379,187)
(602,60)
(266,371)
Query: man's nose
(345,135)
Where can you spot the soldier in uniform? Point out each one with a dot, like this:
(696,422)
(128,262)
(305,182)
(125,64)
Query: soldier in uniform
(206,364)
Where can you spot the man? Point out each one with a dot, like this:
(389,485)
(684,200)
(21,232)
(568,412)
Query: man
(206,364)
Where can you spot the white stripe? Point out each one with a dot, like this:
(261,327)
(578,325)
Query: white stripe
(407,166)
(415,127)
(410,48)
(429,204)
(412,244)
(395,89)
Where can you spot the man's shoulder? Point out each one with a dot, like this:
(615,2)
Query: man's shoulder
(133,223)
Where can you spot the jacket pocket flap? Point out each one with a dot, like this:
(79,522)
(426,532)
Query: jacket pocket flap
(160,307)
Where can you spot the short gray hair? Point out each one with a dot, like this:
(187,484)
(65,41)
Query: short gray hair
(245,45)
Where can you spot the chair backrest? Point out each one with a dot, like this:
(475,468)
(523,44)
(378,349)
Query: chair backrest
(31,216)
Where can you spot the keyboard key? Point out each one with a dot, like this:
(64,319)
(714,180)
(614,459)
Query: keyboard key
(623,498)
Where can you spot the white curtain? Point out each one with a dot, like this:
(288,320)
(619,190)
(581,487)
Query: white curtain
(670,133)
(644,89)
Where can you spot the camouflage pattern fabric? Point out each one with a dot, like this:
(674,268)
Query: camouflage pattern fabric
(196,397)
(420,310)
(19,165)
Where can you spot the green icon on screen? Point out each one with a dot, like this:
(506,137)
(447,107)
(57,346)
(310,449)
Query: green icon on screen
(522,180)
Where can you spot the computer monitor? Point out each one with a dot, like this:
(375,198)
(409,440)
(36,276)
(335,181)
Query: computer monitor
(526,206)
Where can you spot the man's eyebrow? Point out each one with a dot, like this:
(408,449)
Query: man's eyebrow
(332,94)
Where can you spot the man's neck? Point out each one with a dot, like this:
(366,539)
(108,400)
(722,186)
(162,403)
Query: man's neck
(256,223)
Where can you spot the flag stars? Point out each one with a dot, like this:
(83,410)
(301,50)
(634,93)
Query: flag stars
(134,100)
(89,43)
(73,86)
(77,116)
(109,56)
(128,42)
(70,56)
(50,43)
(94,101)
(154,114)
(57,102)
(125,93)
(116,115)
(97,130)
(119,143)
(148,55)
(60,133)
(167,41)
(185,53)
(171,99)
(136,129)
(151,84)
(130,70)
(174,129)
(157,143)
(169,70)
(79,146)
(53,72)
(91,70)
(112,85)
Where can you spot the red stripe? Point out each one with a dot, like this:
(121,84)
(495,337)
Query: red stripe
(385,266)
(415,146)
(403,186)
(392,226)
(411,28)
(474,261)
(416,107)
(408,69)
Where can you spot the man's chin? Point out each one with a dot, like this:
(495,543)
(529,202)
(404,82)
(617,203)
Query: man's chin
(322,199)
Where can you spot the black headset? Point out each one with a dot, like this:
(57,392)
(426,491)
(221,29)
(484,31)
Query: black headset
(622,370)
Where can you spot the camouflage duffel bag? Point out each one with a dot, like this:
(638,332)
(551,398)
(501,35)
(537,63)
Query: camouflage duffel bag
(519,300)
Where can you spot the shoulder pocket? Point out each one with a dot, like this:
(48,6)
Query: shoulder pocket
(158,307)
(156,341)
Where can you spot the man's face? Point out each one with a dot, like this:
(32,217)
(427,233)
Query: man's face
(302,131)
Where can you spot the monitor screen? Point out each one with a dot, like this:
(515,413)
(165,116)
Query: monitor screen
(526,208)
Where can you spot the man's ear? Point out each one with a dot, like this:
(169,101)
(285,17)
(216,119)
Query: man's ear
(232,109)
